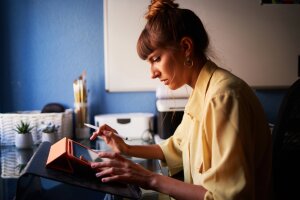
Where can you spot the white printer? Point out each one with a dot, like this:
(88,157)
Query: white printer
(170,105)
(130,125)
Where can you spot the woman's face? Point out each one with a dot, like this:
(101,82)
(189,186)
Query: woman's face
(167,66)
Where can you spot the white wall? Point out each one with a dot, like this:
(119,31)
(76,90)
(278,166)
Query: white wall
(259,43)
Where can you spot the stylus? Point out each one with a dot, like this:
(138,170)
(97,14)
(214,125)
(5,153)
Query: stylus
(96,128)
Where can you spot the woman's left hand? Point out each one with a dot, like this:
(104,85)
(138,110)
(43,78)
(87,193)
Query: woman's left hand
(118,168)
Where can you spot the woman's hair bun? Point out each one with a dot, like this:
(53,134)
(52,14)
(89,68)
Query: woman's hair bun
(158,6)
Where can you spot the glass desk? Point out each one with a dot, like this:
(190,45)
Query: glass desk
(14,160)
(12,163)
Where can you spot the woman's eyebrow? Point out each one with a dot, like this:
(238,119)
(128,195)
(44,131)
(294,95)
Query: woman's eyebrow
(150,56)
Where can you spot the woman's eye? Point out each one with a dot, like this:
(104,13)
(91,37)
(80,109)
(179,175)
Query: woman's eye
(155,59)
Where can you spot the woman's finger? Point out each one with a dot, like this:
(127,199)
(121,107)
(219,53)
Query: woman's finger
(111,171)
(99,132)
(108,163)
(111,155)
(107,128)
(94,136)
(111,178)
(96,133)
(125,175)
(107,133)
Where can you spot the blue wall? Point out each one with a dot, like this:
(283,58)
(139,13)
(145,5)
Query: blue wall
(45,46)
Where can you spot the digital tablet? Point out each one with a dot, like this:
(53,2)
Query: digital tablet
(85,154)
(70,156)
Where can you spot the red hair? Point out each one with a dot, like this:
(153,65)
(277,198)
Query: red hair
(167,25)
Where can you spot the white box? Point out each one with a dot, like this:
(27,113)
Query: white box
(131,125)
(8,122)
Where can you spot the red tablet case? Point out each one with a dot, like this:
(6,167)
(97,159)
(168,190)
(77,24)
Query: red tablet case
(61,157)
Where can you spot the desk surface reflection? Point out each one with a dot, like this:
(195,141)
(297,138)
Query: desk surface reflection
(14,160)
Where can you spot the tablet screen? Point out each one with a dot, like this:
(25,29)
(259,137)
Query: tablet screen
(85,154)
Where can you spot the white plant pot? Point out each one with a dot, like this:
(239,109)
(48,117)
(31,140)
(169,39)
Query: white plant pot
(23,141)
(49,137)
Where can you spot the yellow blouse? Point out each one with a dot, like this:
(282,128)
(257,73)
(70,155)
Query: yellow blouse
(223,142)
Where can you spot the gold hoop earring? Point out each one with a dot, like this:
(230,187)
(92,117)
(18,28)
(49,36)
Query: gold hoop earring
(188,62)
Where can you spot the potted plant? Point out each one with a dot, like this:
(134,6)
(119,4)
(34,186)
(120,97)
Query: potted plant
(23,138)
(49,132)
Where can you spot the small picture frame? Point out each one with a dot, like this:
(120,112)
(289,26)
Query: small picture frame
(280,1)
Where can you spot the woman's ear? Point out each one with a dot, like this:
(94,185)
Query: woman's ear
(187,45)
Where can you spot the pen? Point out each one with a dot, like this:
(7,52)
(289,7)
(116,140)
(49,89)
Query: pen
(96,128)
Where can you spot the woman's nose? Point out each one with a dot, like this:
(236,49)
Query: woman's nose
(154,73)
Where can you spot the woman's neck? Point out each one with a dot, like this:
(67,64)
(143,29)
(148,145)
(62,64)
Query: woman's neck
(198,65)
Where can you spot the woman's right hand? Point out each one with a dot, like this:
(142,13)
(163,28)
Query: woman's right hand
(117,168)
(111,138)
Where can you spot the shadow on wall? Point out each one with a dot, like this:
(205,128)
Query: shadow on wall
(5,57)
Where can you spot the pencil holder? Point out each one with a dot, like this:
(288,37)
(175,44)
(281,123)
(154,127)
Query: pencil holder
(81,117)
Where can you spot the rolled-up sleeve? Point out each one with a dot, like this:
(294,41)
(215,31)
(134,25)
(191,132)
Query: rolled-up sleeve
(172,151)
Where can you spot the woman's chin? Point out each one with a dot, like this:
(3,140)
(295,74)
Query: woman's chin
(172,87)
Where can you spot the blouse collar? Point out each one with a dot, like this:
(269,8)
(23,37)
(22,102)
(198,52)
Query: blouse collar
(195,104)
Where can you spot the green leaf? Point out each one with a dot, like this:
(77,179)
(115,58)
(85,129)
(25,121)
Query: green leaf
(23,128)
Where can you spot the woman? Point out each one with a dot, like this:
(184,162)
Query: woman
(223,144)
